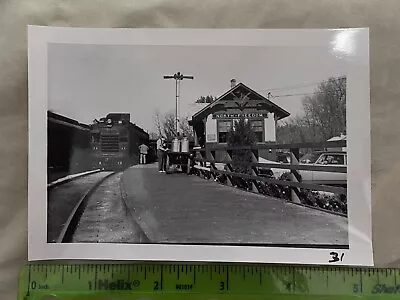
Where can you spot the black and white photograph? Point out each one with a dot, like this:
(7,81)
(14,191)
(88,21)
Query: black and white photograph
(200,145)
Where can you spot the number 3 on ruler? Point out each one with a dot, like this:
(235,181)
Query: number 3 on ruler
(335,257)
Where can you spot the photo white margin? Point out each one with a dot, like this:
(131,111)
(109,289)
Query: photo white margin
(350,44)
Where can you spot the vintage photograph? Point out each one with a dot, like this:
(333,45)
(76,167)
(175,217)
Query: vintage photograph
(245,145)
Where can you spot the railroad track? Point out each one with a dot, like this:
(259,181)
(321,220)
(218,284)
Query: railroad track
(67,199)
(94,212)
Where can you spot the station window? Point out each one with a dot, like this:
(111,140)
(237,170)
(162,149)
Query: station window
(224,126)
(258,128)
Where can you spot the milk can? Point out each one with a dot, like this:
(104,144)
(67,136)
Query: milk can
(175,145)
(185,145)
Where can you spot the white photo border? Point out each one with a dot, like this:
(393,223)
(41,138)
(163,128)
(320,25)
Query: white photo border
(351,45)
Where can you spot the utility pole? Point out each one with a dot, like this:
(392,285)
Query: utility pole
(178,77)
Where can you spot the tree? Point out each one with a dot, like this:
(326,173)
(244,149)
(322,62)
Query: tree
(168,126)
(165,126)
(241,135)
(206,99)
(186,129)
(153,136)
(158,123)
(324,115)
(326,110)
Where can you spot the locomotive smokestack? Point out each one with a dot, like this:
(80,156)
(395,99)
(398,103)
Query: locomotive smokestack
(233,82)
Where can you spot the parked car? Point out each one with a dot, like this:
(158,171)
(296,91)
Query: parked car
(317,158)
(324,158)
(271,172)
(283,157)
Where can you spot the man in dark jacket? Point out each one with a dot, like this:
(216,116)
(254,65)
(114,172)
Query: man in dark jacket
(161,154)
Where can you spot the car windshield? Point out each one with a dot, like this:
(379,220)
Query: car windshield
(310,158)
(283,158)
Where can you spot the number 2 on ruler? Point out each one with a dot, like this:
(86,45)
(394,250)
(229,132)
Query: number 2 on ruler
(335,257)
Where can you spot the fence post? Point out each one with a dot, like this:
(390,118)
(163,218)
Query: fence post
(229,166)
(295,176)
(211,155)
(254,159)
(204,157)
(199,156)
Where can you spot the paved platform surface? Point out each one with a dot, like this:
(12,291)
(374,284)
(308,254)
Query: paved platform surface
(178,208)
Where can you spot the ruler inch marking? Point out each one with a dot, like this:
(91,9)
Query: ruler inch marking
(294,280)
(62,275)
(227,279)
(29,280)
(95,277)
(327,279)
(162,279)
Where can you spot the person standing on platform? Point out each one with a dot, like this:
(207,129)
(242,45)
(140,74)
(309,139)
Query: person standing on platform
(143,148)
(161,154)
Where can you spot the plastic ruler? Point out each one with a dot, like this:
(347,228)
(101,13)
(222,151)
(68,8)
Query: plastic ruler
(203,281)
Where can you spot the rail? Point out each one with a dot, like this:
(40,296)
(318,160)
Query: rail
(205,162)
(70,225)
(70,178)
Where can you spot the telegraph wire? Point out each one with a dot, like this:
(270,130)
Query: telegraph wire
(301,94)
(299,85)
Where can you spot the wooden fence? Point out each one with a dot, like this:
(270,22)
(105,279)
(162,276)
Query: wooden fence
(205,162)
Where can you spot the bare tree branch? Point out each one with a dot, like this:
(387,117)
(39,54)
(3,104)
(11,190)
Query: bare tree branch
(165,125)
(324,115)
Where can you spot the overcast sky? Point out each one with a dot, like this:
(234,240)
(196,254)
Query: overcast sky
(88,81)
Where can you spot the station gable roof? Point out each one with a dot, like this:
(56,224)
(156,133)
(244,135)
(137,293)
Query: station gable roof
(241,97)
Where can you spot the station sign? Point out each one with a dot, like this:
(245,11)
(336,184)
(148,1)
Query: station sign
(254,115)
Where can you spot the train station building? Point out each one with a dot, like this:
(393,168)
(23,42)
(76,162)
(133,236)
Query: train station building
(212,122)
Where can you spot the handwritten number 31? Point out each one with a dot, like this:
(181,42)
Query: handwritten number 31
(335,257)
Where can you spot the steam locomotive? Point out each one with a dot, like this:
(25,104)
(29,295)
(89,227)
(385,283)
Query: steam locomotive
(115,142)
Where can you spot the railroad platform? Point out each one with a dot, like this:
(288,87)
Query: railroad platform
(178,208)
